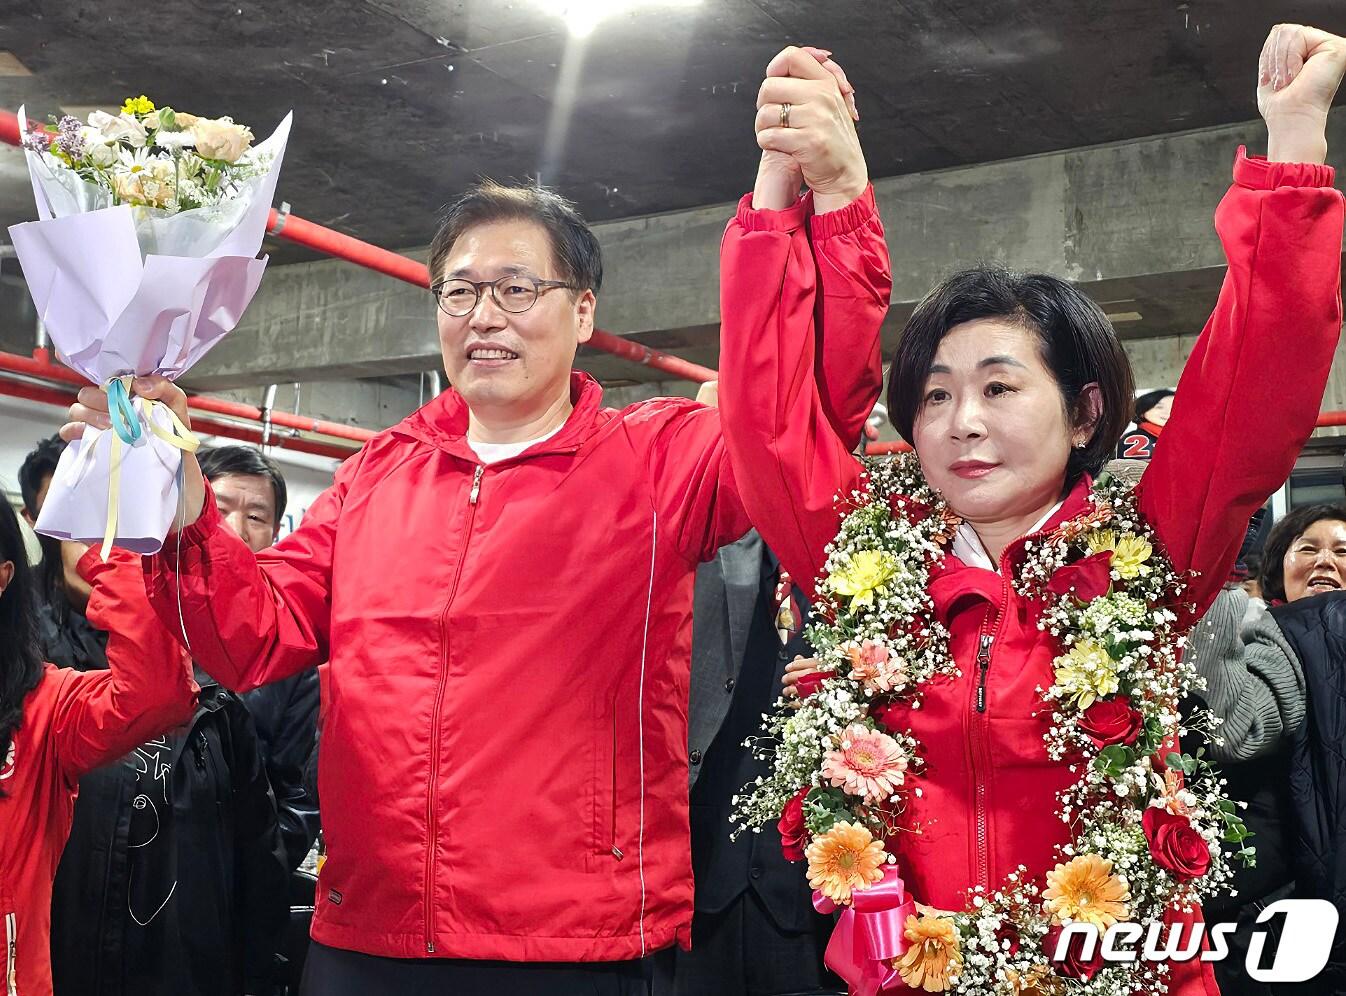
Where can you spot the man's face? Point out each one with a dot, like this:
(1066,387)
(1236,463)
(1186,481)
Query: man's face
(39,498)
(248,504)
(505,365)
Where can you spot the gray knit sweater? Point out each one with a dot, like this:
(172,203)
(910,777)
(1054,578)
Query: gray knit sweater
(1254,682)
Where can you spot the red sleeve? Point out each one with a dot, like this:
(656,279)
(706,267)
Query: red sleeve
(250,619)
(782,295)
(148,687)
(1250,392)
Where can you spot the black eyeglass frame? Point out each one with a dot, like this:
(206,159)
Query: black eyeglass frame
(540,287)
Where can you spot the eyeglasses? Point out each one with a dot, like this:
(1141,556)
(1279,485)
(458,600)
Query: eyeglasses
(514,292)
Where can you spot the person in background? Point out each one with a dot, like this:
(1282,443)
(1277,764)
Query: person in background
(251,495)
(56,724)
(64,635)
(754,930)
(1151,413)
(174,883)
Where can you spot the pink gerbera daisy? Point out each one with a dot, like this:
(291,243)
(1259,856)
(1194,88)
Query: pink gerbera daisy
(867,763)
(875,667)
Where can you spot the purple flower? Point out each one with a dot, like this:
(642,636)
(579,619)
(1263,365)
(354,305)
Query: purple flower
(68,138)
(36,141)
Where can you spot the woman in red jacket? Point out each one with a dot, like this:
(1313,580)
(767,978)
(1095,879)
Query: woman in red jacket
(57,723)
(1005,635)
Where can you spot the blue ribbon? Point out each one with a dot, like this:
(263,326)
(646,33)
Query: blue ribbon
(125,421)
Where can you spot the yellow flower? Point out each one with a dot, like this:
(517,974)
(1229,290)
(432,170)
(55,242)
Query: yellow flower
(1130,553)
(844,859)
(866,573)
(138,105)
(1085,889)
(1086,673)
(1037,981)
(934,957)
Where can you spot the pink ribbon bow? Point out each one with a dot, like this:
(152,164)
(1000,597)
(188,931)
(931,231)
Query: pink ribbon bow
(869,935)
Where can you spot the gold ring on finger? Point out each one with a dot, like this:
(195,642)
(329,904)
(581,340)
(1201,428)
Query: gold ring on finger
(785,115)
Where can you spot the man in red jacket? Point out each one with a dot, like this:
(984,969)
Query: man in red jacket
(503,583)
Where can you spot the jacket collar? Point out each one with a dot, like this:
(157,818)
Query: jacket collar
(954,580)
(443,421)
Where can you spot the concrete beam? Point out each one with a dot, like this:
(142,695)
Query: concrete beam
(1131,222)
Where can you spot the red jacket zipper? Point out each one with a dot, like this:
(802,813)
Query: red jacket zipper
(981,763)
(431,815)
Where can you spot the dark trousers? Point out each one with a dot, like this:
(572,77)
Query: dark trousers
(334,972)
(741,952)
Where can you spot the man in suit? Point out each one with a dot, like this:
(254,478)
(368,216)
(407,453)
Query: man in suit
(754,929)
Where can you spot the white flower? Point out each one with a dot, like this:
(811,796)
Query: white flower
(174,139)
(220,138)
(122,128)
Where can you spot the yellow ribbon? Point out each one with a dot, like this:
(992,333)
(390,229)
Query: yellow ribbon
(181,437)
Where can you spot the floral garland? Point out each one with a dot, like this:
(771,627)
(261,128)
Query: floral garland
(1148,833)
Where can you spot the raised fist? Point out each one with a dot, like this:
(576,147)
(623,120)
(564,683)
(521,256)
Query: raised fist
(806,128)
(1299,72)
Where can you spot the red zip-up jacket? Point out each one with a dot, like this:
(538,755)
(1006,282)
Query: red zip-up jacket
(989,790)
(74,721)
(503,767)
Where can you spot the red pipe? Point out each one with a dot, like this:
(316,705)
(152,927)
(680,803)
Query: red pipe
(52,396)
(636,353)
(325,240)
(40,366)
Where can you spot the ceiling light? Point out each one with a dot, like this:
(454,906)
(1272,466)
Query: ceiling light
(1124,316)
(582,16)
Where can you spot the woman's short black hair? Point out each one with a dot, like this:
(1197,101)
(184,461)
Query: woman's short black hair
(1283,534)
(1078,345)
(575,251)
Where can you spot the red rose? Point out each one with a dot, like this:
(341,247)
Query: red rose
(1086,579)
(793,834)
(810,683)
(1112,721)
(890,716)
(1073,965)
(1174,845)
(910,509)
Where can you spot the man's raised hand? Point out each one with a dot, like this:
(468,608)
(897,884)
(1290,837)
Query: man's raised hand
(1299,72)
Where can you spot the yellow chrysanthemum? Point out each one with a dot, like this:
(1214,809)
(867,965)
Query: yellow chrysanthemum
(1085,889)
(138,105)
(1130,553)
(934,957)
(1086,673)
(866,573)
(844,859)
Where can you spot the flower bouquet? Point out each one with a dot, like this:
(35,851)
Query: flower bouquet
(143,257)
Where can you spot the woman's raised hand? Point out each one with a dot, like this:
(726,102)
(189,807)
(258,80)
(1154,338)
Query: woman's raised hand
(806,128)
(1298,75)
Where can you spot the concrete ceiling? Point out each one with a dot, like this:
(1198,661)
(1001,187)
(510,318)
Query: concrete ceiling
(400,103)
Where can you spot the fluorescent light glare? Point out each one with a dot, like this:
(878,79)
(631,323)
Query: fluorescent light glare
(582,16)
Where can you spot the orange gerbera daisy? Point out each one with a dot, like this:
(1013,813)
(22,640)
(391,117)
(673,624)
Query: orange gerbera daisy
(844,859)
(935,956)
(1085,889)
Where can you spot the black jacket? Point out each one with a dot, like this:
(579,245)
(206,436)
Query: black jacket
(286,715)
(174,877)
(1316,629)
(737,663)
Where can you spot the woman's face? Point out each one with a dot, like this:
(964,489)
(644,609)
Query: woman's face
(992,431)
(1316,560)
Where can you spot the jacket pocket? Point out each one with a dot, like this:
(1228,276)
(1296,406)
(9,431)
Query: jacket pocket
(11,950)
(605,837)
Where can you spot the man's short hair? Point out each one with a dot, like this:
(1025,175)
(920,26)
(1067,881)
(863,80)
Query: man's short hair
(39,463)
(575,252)
(224,460)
